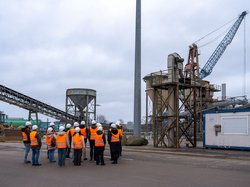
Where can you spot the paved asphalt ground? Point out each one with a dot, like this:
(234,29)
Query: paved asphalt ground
(139,166)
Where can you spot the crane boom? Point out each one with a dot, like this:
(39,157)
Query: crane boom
(208,67)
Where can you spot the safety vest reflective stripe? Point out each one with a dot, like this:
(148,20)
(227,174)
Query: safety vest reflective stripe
(25,137)
(33,139)
(77,141)
(61,141)
(98,140)
(92,133)
(115,137)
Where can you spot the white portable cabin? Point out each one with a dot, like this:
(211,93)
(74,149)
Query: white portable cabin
(228,129)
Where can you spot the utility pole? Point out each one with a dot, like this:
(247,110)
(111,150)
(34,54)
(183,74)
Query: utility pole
(137,78)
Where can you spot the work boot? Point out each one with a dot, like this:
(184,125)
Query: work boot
(27,162)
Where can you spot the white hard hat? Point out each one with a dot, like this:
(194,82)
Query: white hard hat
(99,125)
(51,124)
(77,129)
(93,122)
(118,123)
(113,126)
(99,128)
(27,123)
(76,124)
(34,127)
(68,125)
(50,129)
(61,128)
(82,122)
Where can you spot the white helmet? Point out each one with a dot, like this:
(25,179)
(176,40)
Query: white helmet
(76,124)
(93,122)
(77,129)
(61,128)
(99,128)
(50,129)
(82,122)
(118,123)
(68,125)
(27,123)
(34,127)
(51,124)
(113,126)
(98,125)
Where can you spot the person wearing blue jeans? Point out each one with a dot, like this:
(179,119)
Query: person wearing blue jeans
(61,156)
(51,144)
(62,143)
(35,156)
(26,141)
(35,143)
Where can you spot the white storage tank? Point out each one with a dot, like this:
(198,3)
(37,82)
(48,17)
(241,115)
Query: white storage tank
(227,129)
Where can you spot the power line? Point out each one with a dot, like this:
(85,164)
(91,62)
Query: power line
(214,30)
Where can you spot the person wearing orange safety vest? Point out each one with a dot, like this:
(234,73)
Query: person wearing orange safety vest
(100,142)
(68,132)
(92,133)
(62,143)
(120,130)
(84,133)
(78,144)
(50,140)
(35,144)
(26,141)
(51,125)
(114,139)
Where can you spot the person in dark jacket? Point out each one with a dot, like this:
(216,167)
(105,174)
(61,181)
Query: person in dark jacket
(114,139)
(100,142)
(35,144)
(26,141)
(68,132)
(91,137)
(84,133)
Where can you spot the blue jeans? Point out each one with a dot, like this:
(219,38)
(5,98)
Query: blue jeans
(35,155)
(51,154)
(26,151)
(61,156)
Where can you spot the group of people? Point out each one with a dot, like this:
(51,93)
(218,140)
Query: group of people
(72,142)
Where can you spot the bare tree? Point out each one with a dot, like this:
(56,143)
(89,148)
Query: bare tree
(101,118)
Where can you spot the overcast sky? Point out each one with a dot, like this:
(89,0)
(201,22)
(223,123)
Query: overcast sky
(48,46)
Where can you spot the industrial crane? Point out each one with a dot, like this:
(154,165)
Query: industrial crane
(208,67)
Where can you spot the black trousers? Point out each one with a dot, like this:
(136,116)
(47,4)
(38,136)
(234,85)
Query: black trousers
(92,150)
(68,150)
(99,154)
(77,157)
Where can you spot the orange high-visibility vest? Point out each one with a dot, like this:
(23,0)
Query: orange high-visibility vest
(25,137)
(92,133)
(49,139)
(77,141)
(98,140)
(72,131)
(115,137)
(61,141)
(33,139)
(84,132)
(120,131)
